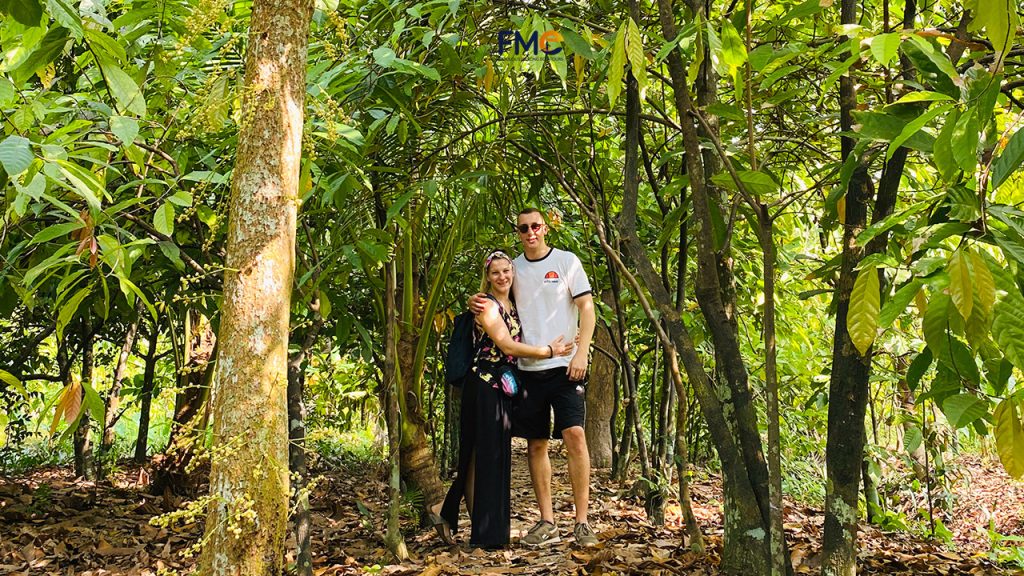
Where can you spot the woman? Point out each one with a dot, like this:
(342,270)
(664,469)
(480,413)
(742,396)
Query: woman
(485,433)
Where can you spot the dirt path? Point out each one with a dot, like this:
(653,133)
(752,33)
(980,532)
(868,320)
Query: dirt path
(50,524)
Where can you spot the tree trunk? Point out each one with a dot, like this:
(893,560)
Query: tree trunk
(777,541)
(249,475)
(188,425)
(848,386)
(297,443)
(148,384)
(600,397)
(110,414)
(393,538)
(871,500)
(419,468)
(83,447)
(683,466)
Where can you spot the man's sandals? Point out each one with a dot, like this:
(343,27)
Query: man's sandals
(444,531)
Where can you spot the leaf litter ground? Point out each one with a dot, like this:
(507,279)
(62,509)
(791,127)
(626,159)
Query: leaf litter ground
(51,523)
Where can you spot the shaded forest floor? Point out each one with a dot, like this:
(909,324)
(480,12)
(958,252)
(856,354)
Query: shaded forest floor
(52,524)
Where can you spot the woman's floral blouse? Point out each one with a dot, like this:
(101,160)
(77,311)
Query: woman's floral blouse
(488,356)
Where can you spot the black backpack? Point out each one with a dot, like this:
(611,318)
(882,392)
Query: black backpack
(459,356)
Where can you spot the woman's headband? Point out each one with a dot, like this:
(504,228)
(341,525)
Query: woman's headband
(496,255)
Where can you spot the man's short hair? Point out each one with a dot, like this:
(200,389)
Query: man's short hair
(532,210)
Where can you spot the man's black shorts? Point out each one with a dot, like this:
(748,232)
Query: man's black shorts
(541,391)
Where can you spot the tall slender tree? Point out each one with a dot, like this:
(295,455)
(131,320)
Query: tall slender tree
(249,473)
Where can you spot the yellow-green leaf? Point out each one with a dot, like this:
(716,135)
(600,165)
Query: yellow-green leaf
(1010,438)
(68,406)
(581,70)
(862,318)
(616,66)
(1000,20)
(13,382)
(163,219)
(68,310)
(984,284)
(960,284)
(1008,328)
(637,61)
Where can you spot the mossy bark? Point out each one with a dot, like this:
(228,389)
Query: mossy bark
(249,488)
(600,400)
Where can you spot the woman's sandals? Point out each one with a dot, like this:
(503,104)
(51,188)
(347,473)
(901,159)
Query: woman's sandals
(444,531)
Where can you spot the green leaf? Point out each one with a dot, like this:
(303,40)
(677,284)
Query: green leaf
(964,141)
(885,46)
(384,56)
(1010,159)
(998,374)
(83,181)
(616,66)
(1008,328)
(1009,435)
(27,12)
(942,150)
(126,92)
(734,53)
(899,302)
(963,204)
(962,409)
(9,379)
(922,96)
(55,231)
(937,57)
(68,310)
(577,44)
(984,285)
(960,289)
(914,127)
(862,318)
(325,304)
(887,127)
(125,128)
(934,326)
(15,154)
(163,219)
(637,60)
(890,221)
(918,366)
(961,360)
(802,10)
(1000,20)
(181,198)
(65,15)
(51,46)
(416,68)
(912,439)
(757,182)
(173,253)
(105,47)
(1012,250)
(128,288)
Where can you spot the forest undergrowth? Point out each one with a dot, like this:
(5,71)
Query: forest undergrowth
(53,524)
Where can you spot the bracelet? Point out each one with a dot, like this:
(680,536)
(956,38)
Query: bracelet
(551,351)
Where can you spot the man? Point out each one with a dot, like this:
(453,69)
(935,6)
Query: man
(554,299)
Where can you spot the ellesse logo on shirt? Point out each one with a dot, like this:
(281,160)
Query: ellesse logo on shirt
(551,277)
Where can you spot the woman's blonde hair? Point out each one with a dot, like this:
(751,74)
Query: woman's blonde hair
(491,257)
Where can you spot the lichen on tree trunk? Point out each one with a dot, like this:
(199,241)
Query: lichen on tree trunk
(249,488)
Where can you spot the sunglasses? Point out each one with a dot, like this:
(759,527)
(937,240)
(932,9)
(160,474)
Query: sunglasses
(524,228)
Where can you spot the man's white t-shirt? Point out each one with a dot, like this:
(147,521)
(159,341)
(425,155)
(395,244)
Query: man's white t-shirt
(545,290)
